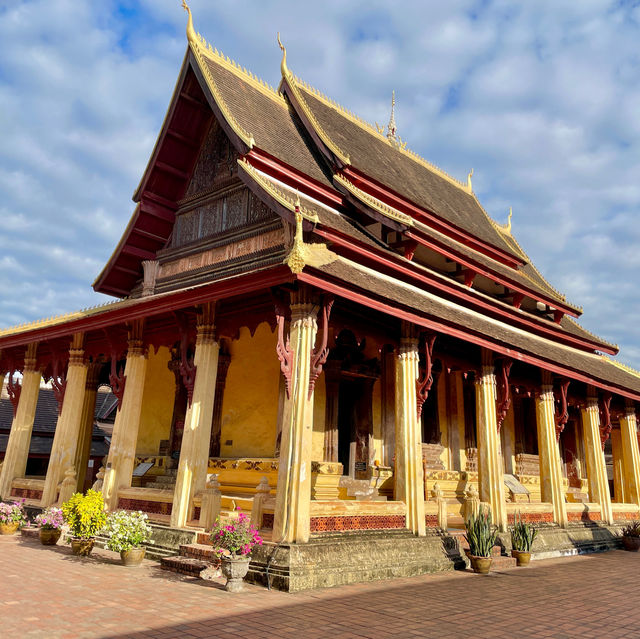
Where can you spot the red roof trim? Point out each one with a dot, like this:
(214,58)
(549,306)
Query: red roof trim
(340,289)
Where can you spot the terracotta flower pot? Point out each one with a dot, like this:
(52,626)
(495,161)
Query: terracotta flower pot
(9,529)
(49,536)
(522,557)
(234,569)
(631,543)
(132,557)
(82,547)
(480,565)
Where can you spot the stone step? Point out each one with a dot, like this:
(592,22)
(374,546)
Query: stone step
(203,552)
(503,562)
(203,539)
(184,565)
(32,533)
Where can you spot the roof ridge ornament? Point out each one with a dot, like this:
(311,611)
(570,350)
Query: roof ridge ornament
(191,33)
(391,127)
(508,228)
(469,185)
(284,69)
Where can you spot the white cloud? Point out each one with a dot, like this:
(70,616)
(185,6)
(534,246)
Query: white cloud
(540,98)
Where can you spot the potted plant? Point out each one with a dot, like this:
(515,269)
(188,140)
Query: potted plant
(522,536)
(481,537)
(127,532)
(12,516)
(631,536)
(234,541)
(85,516)
(50,521)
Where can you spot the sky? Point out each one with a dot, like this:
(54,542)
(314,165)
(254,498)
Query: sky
(541,99)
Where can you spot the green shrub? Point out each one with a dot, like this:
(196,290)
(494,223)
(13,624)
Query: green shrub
(85,514)
(632,530)
(481,534)
(127,530)
(522,534)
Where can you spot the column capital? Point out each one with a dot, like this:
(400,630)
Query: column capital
(31,358)
(630,409)
(205,324)
(135,342)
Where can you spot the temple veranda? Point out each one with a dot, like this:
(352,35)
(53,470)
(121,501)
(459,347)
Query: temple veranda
(349,349)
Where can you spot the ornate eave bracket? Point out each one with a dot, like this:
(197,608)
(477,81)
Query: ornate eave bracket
(562,415)
(283,348)
(605,419)
(319,356)
(117,379)
(14,388)
(424,383)
(504,392)
(186,366)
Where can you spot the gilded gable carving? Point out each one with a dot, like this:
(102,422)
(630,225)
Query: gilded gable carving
(217,164)
(232,209)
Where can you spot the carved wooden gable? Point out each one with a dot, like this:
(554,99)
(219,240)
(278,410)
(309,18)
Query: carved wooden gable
(216,201)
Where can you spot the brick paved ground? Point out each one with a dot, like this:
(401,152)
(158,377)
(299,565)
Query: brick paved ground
(46,592)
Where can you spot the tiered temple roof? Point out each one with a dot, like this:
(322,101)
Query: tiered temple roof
(380,225)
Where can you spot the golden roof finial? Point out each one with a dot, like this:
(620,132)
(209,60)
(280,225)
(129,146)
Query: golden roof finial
(391,128)
(509,219)
(298,205)
(283,65)
(191,33)
(469,185)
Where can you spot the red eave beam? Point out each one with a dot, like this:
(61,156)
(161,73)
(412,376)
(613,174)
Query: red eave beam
(421,278)
(342,291)
(393,199)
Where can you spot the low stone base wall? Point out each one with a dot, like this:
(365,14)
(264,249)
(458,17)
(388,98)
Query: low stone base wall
(578,538)
(347,558)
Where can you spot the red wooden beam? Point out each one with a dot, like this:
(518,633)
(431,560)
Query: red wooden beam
(127,249)
(441,327)
(391,264)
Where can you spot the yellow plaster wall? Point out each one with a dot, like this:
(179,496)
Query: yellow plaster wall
(319,422)
(376,401)
(157,402)
(250,403)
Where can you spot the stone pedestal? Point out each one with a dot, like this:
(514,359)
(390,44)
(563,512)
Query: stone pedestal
(15,459)
(489,458)
(65,440)
(122,452)
(550,467)
(596,468)
(194,450)
(409,475)
(291,516)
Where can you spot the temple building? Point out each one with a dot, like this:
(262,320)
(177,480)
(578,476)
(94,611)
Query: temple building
(318,326)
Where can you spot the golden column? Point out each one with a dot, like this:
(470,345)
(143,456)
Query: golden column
(596,468)
(291,516)
(83,449)
(630,454)
(65,440)
(122,451)
(15,459)
(409,476)
(550,466)
(194,450)
(490,472)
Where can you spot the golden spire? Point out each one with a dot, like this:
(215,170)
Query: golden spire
(509,219)
(469,185)
(191,33)
(391,128)
(283,65)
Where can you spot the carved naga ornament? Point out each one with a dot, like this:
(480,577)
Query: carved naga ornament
(283,349)
(562,415)
(319,356)
(605,419)
(14,388)
(186,367)
(424,383)
(504,392)
(58,382)
(117,379)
